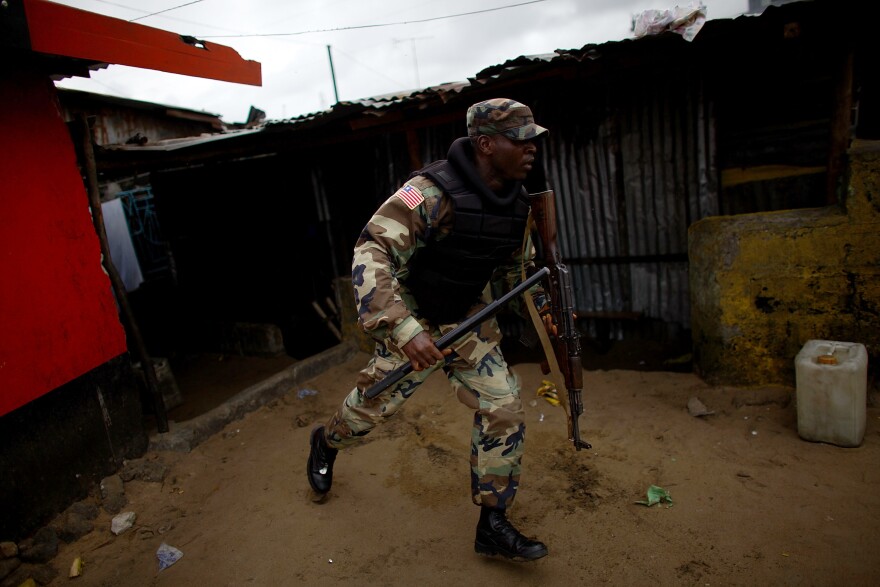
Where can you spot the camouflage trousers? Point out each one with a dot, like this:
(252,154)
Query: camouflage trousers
(490,388)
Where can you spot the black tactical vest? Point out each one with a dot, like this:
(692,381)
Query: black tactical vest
(447,276)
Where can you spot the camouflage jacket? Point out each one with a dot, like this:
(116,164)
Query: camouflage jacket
(381,259)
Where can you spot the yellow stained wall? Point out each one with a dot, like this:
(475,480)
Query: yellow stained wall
(764,284)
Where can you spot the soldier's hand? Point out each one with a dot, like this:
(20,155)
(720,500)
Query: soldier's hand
(548,324)
(422,352)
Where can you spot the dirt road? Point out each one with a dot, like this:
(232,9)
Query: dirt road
(752,503)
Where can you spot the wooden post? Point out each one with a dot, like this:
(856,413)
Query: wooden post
(133,331)
(841,122)
(412,144)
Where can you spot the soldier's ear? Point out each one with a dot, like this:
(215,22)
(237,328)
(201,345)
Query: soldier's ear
(486,144)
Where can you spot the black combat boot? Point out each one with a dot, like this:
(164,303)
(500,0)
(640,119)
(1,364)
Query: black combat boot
(321,458)
(496,535)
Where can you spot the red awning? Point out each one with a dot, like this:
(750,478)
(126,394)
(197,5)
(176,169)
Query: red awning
(55,29)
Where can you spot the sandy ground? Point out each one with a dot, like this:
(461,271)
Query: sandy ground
(753,504)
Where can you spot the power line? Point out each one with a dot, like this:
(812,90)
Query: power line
(377,72)
(370,26)
(147,13)
(166,10)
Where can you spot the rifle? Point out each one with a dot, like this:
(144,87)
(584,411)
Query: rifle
(567,343)
(459,331)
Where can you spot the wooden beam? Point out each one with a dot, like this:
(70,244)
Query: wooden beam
(133,331)
(740,175)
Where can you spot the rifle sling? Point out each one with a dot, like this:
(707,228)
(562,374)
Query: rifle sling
(549,353)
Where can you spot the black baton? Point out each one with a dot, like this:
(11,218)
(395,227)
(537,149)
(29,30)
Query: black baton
(459,331)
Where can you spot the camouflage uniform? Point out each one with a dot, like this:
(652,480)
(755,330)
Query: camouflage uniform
(476,369)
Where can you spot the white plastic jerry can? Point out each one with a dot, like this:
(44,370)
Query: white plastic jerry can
(832,382)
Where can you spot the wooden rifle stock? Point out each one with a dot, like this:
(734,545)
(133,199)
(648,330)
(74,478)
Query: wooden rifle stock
(566,343)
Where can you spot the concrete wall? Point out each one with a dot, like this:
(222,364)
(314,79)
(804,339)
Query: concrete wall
(764,284)
(57,448)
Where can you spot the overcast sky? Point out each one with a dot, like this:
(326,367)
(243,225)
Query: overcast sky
(369,59)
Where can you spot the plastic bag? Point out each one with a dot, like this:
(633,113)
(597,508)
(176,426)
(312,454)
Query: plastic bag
(686,21)
(656,495)
(167,555)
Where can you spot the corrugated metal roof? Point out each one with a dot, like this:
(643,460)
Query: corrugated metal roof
(522,65)
(611,51)
(71,95)
(183,143)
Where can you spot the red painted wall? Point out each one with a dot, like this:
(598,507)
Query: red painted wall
(58,317)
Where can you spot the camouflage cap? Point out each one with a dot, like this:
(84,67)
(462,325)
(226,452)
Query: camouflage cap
(503,116)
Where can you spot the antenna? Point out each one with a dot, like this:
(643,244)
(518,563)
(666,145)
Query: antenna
(412,41)
(333,74)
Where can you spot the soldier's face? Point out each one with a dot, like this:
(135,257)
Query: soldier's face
(511,159)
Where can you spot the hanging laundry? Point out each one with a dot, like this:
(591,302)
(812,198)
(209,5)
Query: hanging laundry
(121,248)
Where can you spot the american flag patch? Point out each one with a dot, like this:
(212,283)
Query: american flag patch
(411,196)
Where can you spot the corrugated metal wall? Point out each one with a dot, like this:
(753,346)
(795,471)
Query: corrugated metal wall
(670,177)
(626,196)
(628,184)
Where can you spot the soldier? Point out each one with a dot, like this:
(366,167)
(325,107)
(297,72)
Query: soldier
(420,267)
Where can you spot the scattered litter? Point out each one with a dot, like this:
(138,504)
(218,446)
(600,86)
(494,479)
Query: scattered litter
(697,408)
(682,360)
(686,21)
(122,522)
(548,392)
(76,568)
(754,432)
(541,417)
(305,393)
(167,555)
(656,495)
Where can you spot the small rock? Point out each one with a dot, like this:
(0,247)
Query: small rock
(112,494)
(144,470)
(41,548)
(30,575)
(7,566)
(72,526)
(84,509)
(8,549)
(122,522)
(44,574)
